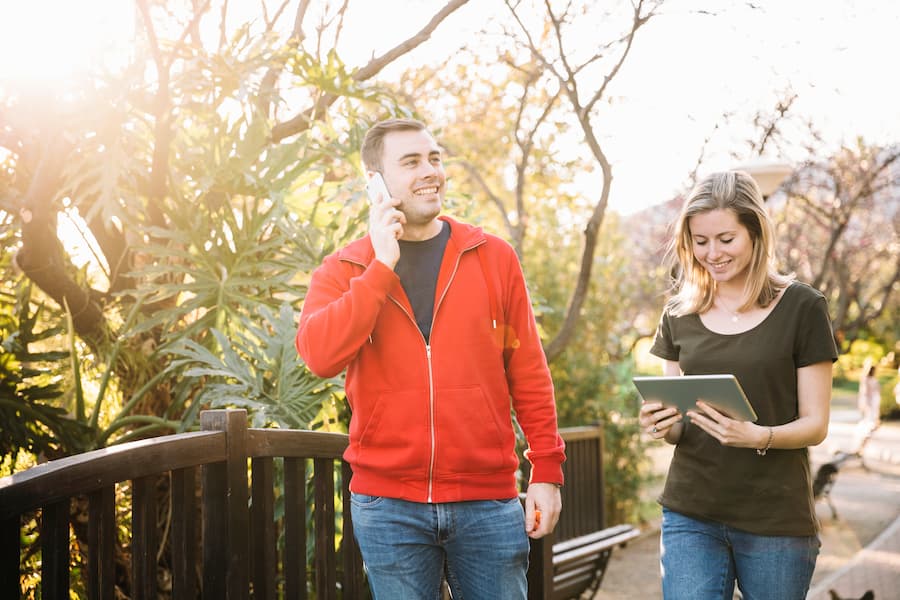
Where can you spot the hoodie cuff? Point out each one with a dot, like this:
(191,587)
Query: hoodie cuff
(547,472)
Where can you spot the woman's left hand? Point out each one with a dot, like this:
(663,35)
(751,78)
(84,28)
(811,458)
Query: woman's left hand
(729,432)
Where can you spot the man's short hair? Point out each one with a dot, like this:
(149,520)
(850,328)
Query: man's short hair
(372,150)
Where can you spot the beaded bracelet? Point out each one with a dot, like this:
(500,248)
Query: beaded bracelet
(762,451)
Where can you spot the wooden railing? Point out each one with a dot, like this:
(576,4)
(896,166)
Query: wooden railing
(238,549)
(226,543)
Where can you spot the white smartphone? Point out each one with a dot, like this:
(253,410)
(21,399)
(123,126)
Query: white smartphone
(376,186)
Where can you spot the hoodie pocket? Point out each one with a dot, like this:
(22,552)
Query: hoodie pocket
(470,434)
(396,434)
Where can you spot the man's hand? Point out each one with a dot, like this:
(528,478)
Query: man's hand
(385,228)
(545,500)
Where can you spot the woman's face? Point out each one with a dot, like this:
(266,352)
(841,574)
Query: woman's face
(721,244)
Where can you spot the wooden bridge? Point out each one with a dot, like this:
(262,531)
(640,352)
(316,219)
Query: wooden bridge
(243,535)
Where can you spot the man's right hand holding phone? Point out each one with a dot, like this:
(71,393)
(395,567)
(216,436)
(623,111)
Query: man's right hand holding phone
(385,221)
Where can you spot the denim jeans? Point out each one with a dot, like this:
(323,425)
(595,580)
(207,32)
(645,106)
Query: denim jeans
(701,560)
(408,546)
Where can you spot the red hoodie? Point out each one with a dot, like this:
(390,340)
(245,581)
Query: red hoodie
(431,422)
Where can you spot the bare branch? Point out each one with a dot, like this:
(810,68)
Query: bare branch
(771,128)
(377,64)
(557,29)
(638,22)
(270,79)
(526,146)
(302,121)
(532,47)
(569,83)
(496,200)
(340,25)
(162,132)
(297,31)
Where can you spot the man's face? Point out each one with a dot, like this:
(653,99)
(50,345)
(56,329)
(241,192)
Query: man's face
(414,172)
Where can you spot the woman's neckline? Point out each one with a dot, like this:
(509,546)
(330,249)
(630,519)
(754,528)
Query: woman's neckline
(754,324)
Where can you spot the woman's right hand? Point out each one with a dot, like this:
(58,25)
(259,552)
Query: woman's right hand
(658,420)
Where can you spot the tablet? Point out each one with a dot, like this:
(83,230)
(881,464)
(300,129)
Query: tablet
(722,392)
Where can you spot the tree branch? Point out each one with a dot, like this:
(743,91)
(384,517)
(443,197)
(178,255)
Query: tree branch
(302,121)
(42,257)
(639,21)
(267,85)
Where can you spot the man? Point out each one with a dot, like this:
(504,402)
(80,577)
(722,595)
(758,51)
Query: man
(432,321)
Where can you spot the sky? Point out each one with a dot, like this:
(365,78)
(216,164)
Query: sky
(693,63)
(699,60)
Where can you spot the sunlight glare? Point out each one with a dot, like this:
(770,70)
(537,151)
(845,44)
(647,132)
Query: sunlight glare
(48,41)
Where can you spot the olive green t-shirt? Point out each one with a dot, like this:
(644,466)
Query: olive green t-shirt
(765,495)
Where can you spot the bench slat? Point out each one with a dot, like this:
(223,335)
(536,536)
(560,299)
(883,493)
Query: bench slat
(594,544)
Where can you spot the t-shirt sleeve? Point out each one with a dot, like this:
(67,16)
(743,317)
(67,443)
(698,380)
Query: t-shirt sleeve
(815,342)
(663,346)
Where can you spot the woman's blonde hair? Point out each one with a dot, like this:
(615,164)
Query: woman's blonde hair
(693,288)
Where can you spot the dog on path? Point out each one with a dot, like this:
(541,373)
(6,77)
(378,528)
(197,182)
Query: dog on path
(869,595)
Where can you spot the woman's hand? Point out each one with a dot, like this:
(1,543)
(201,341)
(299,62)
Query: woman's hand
(740,434)
(658,421)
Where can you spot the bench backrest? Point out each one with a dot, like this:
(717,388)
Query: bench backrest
(582,496)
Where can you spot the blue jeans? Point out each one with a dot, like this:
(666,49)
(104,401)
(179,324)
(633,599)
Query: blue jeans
(406,547)
(701,560)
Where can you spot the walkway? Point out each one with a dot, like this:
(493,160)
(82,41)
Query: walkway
(860,546)
(876,566)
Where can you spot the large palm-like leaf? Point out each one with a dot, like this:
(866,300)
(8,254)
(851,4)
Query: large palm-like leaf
(32,404)
(258,369)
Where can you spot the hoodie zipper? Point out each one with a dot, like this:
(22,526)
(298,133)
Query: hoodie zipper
(431,423)
(437,306)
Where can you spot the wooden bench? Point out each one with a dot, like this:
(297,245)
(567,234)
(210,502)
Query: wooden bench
(574,558)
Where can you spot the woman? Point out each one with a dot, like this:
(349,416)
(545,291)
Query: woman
(737,503)
(869,399)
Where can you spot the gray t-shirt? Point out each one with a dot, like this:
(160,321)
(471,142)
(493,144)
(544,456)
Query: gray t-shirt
(765,495)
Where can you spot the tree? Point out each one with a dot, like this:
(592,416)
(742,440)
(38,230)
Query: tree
(839,229)
(207,177)
(510,112)
(212,176)
(546,43)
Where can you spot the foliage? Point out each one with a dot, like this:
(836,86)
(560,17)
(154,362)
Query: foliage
(203,211)
(593,377)
(257,369)
(31,382)
(856,355)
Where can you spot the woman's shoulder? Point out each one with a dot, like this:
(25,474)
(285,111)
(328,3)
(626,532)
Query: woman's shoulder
(802,293)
